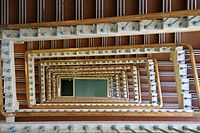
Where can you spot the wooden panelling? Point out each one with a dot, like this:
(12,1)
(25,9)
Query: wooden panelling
(169,38)
(110,8)
(50,10)
(139,39)
(110,18)
(192,38)
(154,6)
(198,4)
(14,12)
(1,14)
(19,48)
(108,118)
(154,38)
(132,7)
(69,11)
(89,10)
(31,11)
(179,5)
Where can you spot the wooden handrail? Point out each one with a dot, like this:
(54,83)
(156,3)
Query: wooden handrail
(75,75)
(193,62)
(158,82)
(122,46)
(105,20)
(142,58)
(146,114)
(44,61)
(189,46)
(139,85)
(102,66)
(63,67)
(146,46)
(75,67)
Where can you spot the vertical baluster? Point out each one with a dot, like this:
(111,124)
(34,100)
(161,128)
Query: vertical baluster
(111,87)
(86,128)
(128,128)
(79,16)
(171,128)
(117,91)
(142,128)
(100,128)
(165,9)
(125,87)
(156,128)
(27,129)
(114,128)
(56,129)
(42,129)
(186,128)
(70,128)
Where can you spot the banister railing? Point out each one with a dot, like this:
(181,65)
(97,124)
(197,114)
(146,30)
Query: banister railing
(153,23)
(174,14)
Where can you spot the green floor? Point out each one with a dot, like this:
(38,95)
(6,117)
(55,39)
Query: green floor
(86,88)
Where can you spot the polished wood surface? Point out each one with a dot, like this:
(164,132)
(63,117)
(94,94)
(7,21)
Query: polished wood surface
(110,7)
(106,20)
